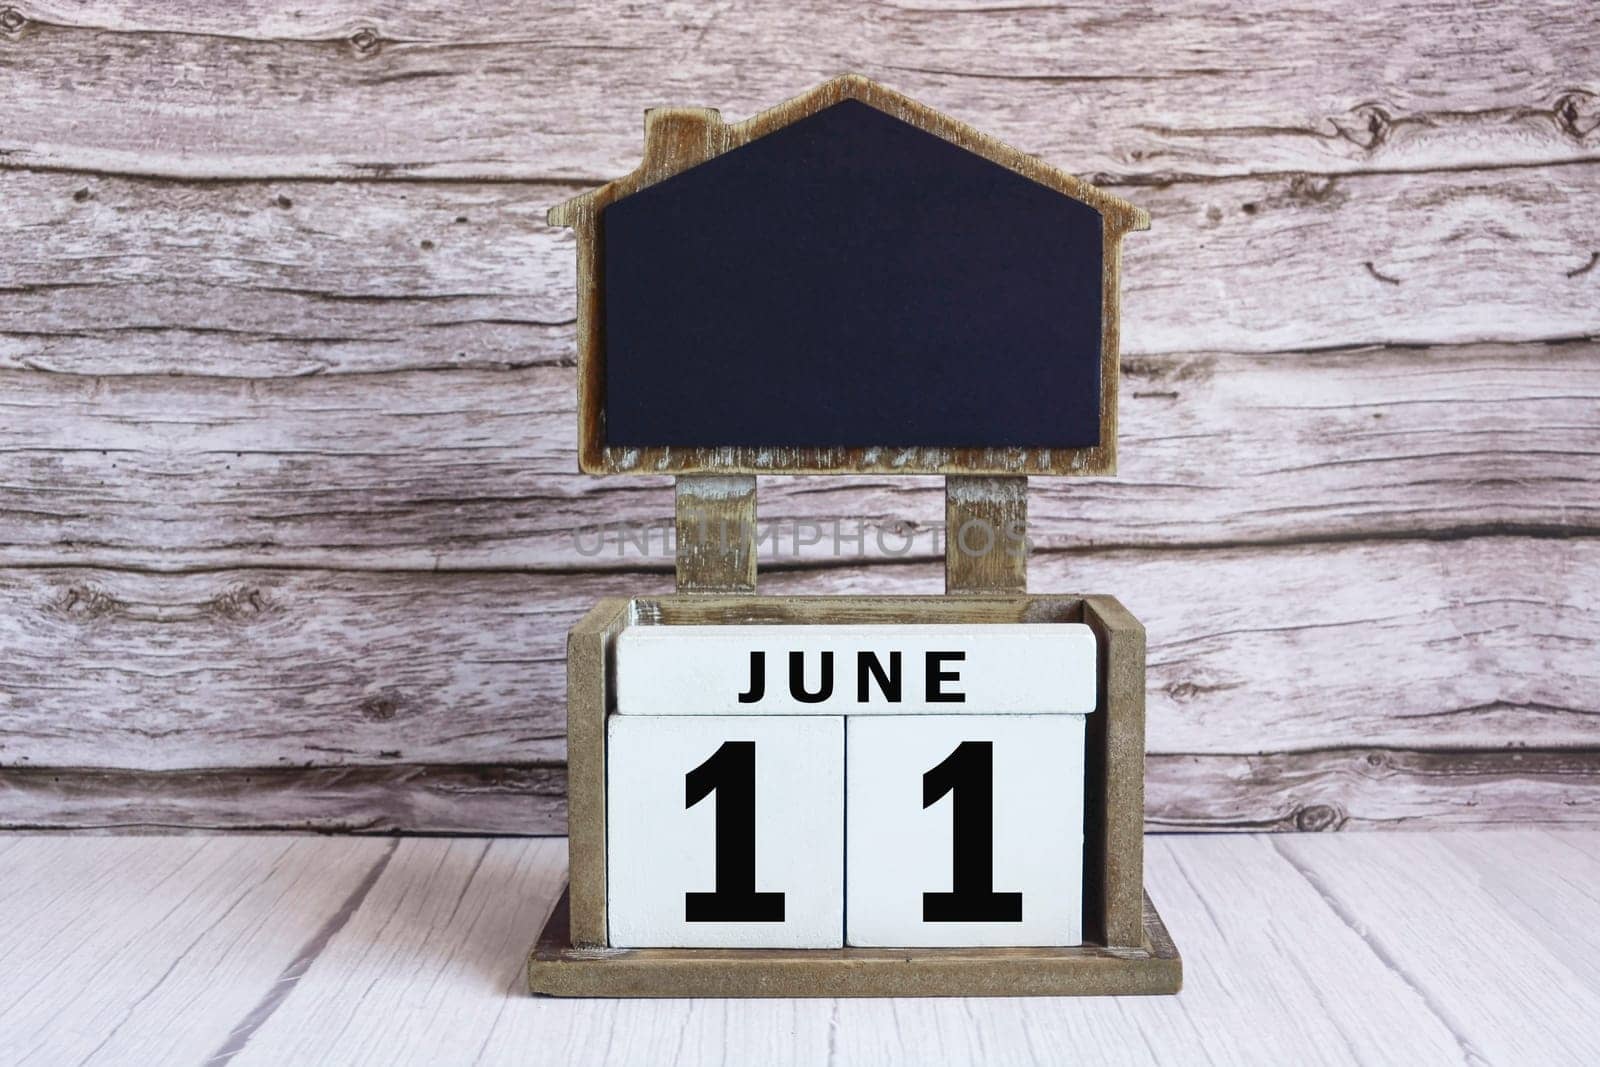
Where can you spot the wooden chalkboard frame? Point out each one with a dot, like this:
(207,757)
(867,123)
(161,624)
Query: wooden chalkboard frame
(677,139)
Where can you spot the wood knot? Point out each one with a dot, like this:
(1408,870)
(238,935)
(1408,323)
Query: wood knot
(381,707)
(81,195)
(284,202)
(12,20)
(84,602)
(1576,114)
(366,41)
(1168,369)
(1309,189)
(1315,818)
(1367,127)
(241,602)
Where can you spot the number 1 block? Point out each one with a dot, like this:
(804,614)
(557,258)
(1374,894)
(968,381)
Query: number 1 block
(725,831)
(965,830)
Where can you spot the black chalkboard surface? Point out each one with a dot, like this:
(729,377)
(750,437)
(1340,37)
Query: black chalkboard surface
(850,281)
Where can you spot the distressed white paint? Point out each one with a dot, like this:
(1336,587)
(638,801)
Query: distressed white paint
(940,669)
(898,850)
(1405,948)
(158,950)
(658,849)
(1513,984)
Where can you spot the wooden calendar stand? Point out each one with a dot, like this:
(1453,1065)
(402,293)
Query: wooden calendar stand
(1125,949)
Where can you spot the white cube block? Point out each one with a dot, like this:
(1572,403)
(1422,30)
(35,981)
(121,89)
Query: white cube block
(964,830)
(860,669)
(725,831)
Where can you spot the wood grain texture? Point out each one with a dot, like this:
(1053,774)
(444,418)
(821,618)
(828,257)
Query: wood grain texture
(394,90)
(1316,790)
(442,935)
(1389,896)
(262,279)
(152,949)
(985,531)
(1247,913)
(1405,643)
(1412,645)
(494,798)
(1362,788)
(475,469)
(247,411)
(1336,950)
(1538,879)
(558,968)
(715,525)
(589,699)
(1114,777)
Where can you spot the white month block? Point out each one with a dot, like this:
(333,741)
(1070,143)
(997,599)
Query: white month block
(725,831)
(964,830)
(856,670)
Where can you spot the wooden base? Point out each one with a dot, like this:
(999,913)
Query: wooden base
(559,970)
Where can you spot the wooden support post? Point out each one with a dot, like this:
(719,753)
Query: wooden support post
(985,526)
(589,697)
(1113,831)
(716,529)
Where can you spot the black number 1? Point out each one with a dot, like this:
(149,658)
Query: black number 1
(730,772)
(968,775)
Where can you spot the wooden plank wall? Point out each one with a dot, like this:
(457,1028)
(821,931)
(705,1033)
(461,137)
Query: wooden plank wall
(287,485)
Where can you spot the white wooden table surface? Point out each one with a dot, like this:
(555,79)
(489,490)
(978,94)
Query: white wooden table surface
(1342,948)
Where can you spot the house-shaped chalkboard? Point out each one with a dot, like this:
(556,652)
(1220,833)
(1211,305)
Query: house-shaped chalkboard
(848,282)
